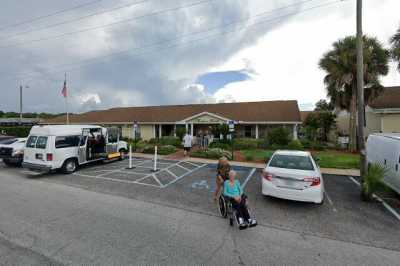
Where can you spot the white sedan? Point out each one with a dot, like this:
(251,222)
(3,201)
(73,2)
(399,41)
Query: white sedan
(293,175)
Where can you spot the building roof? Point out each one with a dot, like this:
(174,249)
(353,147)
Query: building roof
(266,111)
(390,98)
(304,115)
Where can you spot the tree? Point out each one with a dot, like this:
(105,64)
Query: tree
(341,79)
(224,130)
(395,48)
(323,105)
(180,132)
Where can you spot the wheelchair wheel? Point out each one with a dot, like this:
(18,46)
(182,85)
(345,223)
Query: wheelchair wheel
(231,221)
(222,206)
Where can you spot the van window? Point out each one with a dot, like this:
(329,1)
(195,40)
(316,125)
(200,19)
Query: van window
(83,141)
(67,141)
(31,142)
(41,143)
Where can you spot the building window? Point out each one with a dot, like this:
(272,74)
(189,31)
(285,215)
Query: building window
(248,131)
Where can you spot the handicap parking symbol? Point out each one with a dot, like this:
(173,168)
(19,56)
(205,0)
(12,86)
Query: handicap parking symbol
(201,185)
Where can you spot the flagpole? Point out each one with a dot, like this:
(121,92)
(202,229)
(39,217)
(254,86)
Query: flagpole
(66,100)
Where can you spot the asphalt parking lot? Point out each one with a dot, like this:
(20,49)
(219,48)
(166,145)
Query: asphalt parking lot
(189,186)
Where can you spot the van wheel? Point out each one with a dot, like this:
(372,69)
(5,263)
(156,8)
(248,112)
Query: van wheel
(122,154)
(69,166)
(7,162)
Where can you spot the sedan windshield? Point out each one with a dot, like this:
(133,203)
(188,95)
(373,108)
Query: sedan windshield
(291,162)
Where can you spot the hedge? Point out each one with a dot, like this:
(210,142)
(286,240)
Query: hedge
(214,153)
(162,150)
(17,131)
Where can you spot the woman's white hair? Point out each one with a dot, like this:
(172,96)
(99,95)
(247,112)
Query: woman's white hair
(232,172)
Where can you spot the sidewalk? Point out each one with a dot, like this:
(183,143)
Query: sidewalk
(329,171)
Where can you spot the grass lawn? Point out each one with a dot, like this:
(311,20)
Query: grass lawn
(327,159)
(336,159)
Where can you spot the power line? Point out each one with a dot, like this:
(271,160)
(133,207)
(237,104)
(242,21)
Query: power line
(89,61)
(49,15)
(108,25)
(73,20)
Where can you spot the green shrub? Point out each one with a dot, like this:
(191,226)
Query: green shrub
(162,150)
(148,149)
(263,143)
(279,136)
(225,145)
(295,145)
(373,180)
(313,145)
(245,144)
(167,149)
(153,141)
(174,141)
(17,131)
(214,153)
(249,157)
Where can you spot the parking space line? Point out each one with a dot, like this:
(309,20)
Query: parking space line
(387,206)
(157,180)
(191,163)
(115,180)
(182,176)
(330,201)
(248,177)
(182,167)
(171,173)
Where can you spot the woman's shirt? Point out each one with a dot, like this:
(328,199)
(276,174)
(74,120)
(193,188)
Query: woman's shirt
(223,170)
(234,190)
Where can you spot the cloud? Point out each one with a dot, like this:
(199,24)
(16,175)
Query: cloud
(279,58)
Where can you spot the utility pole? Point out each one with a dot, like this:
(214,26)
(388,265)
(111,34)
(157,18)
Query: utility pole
(360,95)
(20,103)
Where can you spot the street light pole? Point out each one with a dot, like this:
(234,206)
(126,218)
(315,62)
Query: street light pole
(360,94)
(20,104)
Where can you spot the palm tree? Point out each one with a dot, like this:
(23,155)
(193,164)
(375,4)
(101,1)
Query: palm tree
(340,63)
(395,48)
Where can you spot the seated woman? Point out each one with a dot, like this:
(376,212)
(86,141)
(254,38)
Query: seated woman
(233,190)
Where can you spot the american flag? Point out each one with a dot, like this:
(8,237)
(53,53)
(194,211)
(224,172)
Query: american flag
(64,89)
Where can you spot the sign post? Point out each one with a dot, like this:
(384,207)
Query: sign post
(135,126)
(231,125)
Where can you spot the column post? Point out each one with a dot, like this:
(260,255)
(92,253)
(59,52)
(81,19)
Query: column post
(256,131)
(159,131)
(295,131)
(192,129)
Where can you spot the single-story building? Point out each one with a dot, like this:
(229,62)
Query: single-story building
(16,121)
(252,119)
(382,114)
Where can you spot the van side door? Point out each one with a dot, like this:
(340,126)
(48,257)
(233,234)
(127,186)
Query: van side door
(83,149)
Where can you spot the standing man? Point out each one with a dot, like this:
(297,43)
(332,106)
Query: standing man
(187,143)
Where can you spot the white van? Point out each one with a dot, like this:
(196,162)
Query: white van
(384,149)
(66,147)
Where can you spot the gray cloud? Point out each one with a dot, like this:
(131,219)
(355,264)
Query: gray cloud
(140,77)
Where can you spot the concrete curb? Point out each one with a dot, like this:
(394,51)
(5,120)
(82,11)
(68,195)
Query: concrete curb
(329,171)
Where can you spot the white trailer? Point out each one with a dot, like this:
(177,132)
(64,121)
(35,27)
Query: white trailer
(384,149)
(68,146)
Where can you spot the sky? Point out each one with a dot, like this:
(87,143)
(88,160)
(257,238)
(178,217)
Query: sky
(148,52)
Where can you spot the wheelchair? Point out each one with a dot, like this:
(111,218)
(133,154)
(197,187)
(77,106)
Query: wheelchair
(227,211)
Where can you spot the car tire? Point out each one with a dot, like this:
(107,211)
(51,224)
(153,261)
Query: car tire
(69,166)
